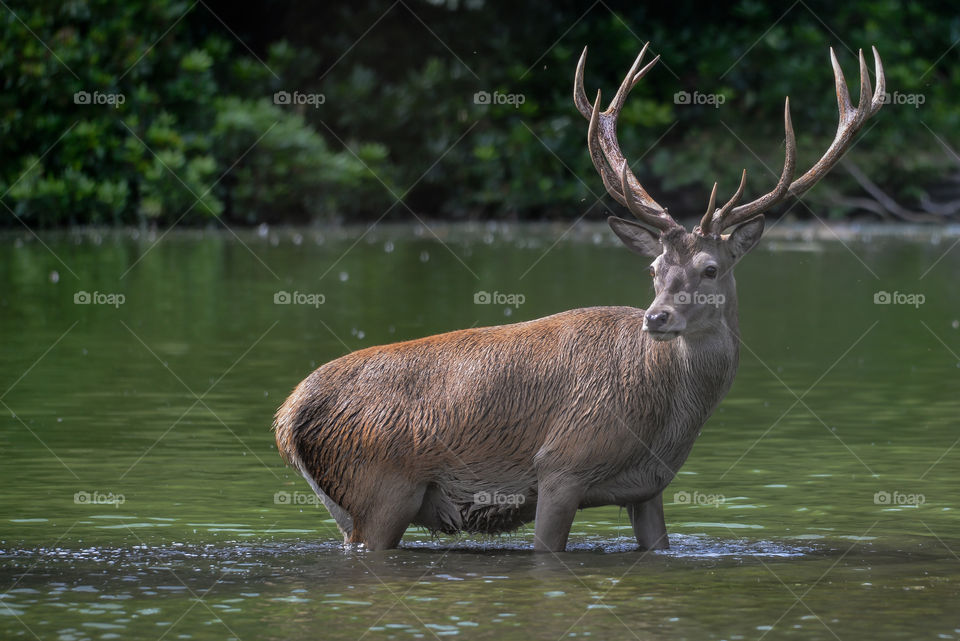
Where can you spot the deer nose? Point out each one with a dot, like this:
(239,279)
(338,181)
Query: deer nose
(656,320)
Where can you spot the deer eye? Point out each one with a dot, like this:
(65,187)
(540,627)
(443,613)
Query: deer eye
(710,272)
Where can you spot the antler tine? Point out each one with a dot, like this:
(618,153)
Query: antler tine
(707,217)
(844,105)
(629,82)
(735,198)
(846,129)
(866,91)
(619,180)
(643,72)
(880,94)
(579,93)
(706,223)
(850,122)
(729,217)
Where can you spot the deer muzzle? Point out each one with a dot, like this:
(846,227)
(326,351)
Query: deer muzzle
(663,323)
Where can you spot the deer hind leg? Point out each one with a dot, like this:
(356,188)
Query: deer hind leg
(649,526)
(342,518)
(382,524)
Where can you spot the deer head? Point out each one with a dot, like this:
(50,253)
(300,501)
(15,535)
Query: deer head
(693,271)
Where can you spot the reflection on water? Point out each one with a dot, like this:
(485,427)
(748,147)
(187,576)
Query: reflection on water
(682,546)
(284,590)
(143,496)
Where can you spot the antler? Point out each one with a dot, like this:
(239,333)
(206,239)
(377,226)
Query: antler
(851,121)
(605,152)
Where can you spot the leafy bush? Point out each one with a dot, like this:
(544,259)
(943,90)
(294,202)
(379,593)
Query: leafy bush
(130,112)
(121,122)
(284,171)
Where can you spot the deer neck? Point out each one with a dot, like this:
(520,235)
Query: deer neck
(703,365)
(715,350)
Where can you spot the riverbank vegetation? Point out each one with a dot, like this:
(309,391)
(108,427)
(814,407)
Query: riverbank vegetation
(169,112)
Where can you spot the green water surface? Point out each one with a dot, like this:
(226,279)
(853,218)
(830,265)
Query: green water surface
(142,497)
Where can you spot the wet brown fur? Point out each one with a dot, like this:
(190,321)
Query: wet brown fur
(585,399)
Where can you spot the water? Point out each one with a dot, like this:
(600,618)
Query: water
(143,497)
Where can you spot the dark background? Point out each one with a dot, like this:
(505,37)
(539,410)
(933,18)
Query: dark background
(199,134)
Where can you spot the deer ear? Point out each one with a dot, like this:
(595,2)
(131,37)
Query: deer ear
(745,237)
(636,237)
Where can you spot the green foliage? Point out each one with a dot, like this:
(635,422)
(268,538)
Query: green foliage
(121,122)
(175,121)
(284,170)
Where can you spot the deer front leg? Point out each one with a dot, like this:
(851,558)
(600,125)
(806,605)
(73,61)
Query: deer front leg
(557,504)
(648,524)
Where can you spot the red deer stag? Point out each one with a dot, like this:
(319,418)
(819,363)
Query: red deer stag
(483,430)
